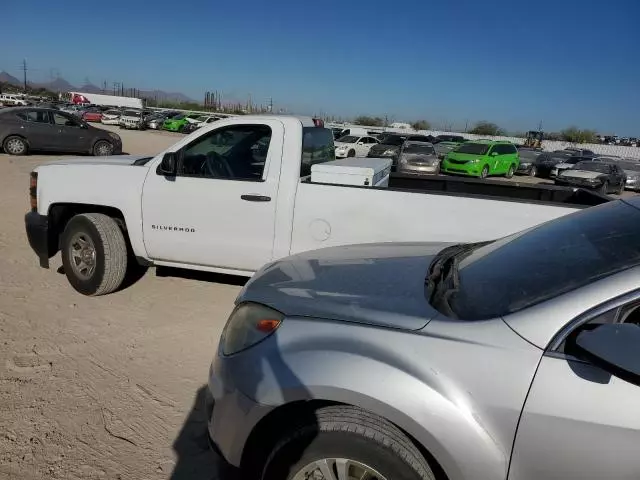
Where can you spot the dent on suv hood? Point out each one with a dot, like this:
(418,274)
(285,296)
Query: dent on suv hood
(377,284)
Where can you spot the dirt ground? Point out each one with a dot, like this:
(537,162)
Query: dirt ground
(101,387)
(108,387)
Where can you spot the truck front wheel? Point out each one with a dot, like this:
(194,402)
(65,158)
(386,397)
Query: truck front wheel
(94,254)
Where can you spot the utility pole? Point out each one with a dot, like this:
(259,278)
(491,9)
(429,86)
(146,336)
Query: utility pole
(24,71)
(271,105)
(104,86)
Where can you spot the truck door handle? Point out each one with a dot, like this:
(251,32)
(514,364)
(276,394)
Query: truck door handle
(255,198)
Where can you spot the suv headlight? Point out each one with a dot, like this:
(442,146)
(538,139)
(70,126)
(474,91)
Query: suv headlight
(249,324)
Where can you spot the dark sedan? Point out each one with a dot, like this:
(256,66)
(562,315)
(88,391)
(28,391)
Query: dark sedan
(23,129)
(528,162)
(601,176)
(547,161)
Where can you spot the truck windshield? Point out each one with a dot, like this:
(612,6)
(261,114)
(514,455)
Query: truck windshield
(544,262)
(473,148)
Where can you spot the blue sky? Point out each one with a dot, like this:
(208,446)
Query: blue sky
(451,62)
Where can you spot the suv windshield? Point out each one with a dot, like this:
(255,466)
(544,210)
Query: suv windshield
(473,148)
(493,279)
(396,140)
(592,167)
(423,149)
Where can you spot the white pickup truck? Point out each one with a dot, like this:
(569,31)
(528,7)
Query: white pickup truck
(237,194)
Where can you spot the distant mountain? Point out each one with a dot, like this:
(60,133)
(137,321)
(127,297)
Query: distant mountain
(89,88)
(10,79)
(61,85)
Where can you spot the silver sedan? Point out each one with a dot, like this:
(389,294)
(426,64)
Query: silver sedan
(517,358)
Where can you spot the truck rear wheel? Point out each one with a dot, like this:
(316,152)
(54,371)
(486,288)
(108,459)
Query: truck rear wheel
(94,254)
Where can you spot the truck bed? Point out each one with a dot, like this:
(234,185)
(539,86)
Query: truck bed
(514,191)
(415,209)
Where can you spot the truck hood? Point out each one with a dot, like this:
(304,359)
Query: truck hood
(376,284)
(112,160)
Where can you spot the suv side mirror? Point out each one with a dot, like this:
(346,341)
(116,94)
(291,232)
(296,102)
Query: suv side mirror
(614,348)
(169,165)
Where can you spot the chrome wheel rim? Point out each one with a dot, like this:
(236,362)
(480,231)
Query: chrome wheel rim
(104,149)
(337,469)
(82,255)
(15,146)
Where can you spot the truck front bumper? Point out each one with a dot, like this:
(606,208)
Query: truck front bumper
(37,227)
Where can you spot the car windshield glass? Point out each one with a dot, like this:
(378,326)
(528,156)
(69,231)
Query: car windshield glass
(112,112)
(473,148)
(528,155)
(395,140)
(541,263)
(177,117)
(347,139)
(573,160)
(592,167)
(632,167)
(131,113)
(423,149)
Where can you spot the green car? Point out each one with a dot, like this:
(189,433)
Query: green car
(177,123)
(481,158)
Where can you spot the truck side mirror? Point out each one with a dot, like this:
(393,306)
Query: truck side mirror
(169,165)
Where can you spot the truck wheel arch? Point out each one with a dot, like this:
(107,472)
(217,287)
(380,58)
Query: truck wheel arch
(59,215)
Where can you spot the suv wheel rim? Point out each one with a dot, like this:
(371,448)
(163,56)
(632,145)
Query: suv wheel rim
(15,146)
(337,469)
(82,255)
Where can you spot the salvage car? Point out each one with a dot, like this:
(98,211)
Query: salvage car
(391,144)
(175,123)
(528,162)
(632,172)
(514,358)
(132,120)
(442,148)
(92,114)
(111,117)
(568,163)
(259,169)
(601,176)
(25,129)
(418,158)
(354,146)
(482,158)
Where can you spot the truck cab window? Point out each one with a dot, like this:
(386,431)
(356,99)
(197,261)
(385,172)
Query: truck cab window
(317,147)
(238,152)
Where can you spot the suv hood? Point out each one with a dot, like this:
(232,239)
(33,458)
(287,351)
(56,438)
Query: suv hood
(112,160)
(377,284)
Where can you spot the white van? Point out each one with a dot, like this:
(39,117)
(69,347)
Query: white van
(356,131)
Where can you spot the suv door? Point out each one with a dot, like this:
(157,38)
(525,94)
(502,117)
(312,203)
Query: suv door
(511,157)
(579,421)
(219,211)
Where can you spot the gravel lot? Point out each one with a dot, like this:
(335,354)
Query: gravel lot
(102,387)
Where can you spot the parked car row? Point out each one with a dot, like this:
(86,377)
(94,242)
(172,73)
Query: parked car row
(25,129)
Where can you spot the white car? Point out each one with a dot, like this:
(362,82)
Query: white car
(205,120)
(10,99)
(354,146)
(111,117)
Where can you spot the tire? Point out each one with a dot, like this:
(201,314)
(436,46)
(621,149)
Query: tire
(102,148)
(100,240)
(485,172)
(510,172)
(14,145)
(620,190)
(345,432)
(604,189)
(352,153)
(534,171)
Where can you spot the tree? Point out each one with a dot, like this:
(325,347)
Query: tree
(421,125)
(369,121)
(575,135)
(486,128)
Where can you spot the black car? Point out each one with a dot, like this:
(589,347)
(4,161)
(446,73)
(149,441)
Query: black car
(547,161)
(391,144)
(23,129)
(594,175)
(528,161)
